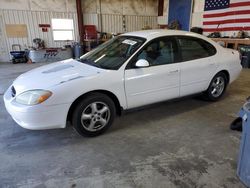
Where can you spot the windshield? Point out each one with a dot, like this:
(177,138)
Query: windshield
(112,54)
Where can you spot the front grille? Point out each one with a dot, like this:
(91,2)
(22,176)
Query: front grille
(13,91)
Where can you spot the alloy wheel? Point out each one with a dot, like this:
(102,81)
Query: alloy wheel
(95,116)
(218,86)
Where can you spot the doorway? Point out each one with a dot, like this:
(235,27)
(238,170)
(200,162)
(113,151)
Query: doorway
(180,10)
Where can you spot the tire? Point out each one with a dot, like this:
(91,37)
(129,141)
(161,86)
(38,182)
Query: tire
(94,115)
(217,87)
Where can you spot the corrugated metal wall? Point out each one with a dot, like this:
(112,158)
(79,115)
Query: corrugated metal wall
(111,23)
(32,19)
(134,23)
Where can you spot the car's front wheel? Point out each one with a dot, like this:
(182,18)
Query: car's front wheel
(217,87)
(94,115)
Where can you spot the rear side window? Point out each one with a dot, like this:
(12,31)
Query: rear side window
(193,48)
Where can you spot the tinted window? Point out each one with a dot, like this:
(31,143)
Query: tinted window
(193,48)
(159,52)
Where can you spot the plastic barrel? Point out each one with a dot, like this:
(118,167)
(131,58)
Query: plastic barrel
(78,50)
(243,168)
(245,52)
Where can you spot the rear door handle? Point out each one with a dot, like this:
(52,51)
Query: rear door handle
(211,64)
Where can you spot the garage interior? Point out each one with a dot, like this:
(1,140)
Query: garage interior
(185,142)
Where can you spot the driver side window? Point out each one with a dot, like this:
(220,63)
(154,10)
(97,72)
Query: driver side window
(159,52)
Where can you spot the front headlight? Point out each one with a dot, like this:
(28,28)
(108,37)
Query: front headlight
(33,97)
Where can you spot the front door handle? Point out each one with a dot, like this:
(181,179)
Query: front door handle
(173,71)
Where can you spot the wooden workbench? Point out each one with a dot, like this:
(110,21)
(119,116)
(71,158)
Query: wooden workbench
(234,41)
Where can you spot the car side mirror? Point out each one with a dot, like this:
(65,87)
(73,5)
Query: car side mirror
(141,63)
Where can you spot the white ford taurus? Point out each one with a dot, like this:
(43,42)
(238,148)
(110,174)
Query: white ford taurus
(131,70)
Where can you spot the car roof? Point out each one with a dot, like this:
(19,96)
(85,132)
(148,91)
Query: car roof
(154,33)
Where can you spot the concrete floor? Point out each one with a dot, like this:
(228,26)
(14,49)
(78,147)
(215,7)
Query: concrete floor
(186,143)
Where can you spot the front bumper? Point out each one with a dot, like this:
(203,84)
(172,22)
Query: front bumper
(36,117)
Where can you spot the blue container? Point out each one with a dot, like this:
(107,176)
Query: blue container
(243,170)
(78,50)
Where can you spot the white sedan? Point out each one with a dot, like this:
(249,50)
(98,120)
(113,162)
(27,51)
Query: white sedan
(131,70)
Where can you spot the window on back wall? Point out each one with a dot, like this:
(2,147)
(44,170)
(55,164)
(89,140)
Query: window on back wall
(63,29)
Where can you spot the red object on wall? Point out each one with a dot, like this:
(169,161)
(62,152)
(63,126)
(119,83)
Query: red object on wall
(44,25)
(90,32)
(44,29)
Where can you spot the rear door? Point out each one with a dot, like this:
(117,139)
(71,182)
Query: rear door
(160,81)
(197,66)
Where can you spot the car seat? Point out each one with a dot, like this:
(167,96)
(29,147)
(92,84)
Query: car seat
(166,54)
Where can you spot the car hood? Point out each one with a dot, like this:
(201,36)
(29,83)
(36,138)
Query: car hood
(53,74)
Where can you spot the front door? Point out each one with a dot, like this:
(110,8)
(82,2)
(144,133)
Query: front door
(158,82)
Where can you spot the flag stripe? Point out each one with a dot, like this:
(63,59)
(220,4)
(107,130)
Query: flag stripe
(227,9)
(238,1)
(240,4)
(228,25)
(226,29)
(243,20)
(242,16)
(226,14)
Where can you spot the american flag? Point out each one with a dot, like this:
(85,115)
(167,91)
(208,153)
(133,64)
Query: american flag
(226,15)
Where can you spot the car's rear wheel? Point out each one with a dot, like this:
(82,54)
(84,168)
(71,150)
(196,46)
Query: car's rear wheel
(94,115)
(217,87)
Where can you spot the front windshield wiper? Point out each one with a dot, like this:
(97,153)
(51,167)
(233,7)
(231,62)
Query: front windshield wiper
(89,62)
